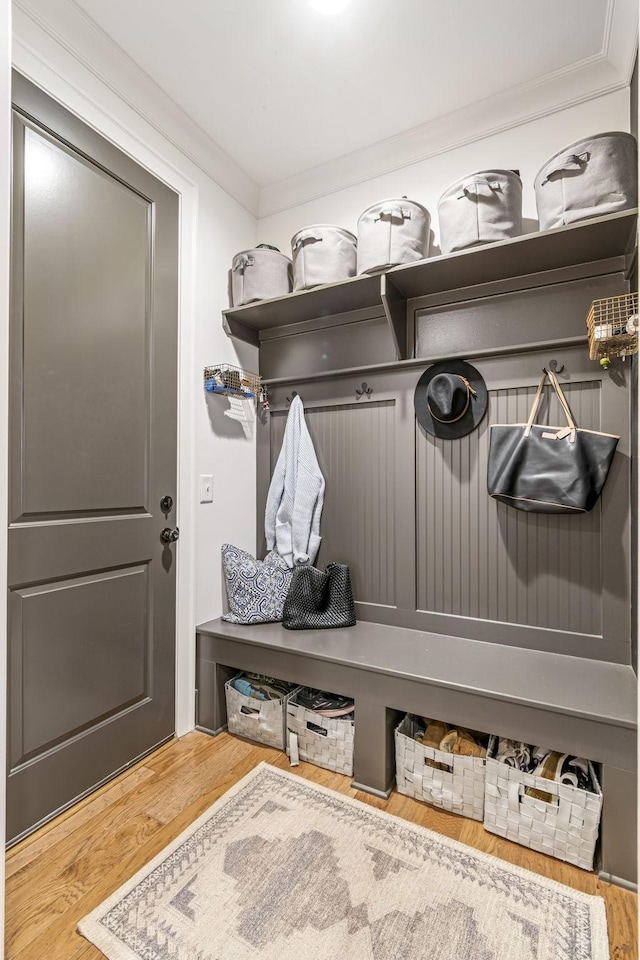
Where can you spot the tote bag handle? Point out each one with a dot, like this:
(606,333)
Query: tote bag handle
(571,424)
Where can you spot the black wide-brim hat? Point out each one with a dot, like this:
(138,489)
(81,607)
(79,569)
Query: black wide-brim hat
(450,399)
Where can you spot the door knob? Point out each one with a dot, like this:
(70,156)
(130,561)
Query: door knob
(169,536)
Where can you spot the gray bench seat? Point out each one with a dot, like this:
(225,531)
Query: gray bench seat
(574,705)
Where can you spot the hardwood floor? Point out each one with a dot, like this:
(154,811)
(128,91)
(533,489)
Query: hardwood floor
(70,866)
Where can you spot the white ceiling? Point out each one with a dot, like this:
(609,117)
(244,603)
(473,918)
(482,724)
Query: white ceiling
(299,103)
(283,88)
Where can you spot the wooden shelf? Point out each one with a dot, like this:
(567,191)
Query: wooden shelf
(585,242)
(331,299)
(589,241)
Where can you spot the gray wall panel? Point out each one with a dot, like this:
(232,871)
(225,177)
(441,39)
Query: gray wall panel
(619,828)
(329,348)
(542,314)
(355,448)
(465,565)
(482,559)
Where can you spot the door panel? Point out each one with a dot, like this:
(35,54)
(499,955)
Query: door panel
(64,634)
(92,452)
(86,336)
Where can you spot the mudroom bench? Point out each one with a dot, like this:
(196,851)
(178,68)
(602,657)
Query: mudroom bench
(579,706)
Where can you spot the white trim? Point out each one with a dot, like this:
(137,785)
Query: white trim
(64,22)
(620,44)
(90,112)
(557,91)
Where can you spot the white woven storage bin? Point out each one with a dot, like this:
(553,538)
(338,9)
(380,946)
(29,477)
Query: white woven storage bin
(267,725)
(321,254)
(333,750)
(567,828)
(259,274)
(460,789)
(391,232)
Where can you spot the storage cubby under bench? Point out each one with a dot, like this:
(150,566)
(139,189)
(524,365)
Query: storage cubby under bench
(571,704)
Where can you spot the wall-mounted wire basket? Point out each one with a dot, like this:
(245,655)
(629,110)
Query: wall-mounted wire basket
(613,328)
(233,381)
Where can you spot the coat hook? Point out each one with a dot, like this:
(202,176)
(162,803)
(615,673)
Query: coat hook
(553,366)
(364,389)
(294,393)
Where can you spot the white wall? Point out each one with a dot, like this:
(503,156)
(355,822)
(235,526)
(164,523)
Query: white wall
(524,148)
(213,228)
(222,449)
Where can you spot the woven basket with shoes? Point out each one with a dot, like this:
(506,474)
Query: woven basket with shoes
(325,741)
(260,720)
(451,781)
(548,816)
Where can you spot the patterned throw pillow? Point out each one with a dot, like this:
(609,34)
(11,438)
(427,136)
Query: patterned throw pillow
(256,589)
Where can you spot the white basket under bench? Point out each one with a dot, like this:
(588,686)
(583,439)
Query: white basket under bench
(566,828)
(261,720)
(325,741)
(459,789)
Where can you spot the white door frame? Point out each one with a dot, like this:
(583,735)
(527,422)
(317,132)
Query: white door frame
(131,143)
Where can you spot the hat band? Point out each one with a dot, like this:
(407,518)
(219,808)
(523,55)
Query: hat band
(470,391)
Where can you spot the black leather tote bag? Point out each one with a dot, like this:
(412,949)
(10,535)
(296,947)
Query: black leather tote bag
(548,469)
(319,600)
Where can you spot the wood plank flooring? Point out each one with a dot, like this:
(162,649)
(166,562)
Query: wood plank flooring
(70,866)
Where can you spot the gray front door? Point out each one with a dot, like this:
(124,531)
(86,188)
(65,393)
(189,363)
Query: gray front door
(93,400)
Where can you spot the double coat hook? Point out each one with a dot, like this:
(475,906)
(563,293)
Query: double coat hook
(554,367)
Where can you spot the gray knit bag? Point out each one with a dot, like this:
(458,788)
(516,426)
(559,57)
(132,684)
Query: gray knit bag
(319,600)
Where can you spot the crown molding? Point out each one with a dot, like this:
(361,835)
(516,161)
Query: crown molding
(65,24)
(595,76)
(620,45)
(478,120)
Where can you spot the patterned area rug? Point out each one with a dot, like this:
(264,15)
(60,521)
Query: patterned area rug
(280,869)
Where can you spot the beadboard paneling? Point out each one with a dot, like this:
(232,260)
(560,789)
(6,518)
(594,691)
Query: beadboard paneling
(482,559)
(429,550)
(355,448)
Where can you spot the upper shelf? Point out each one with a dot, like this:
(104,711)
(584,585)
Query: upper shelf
(588,241)
(585,242)
(325,301)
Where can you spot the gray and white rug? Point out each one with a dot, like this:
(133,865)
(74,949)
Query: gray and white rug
(280,869)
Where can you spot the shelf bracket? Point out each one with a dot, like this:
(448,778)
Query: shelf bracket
(233,328)
(395,308)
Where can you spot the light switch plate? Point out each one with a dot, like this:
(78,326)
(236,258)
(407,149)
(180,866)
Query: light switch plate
(206,489)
